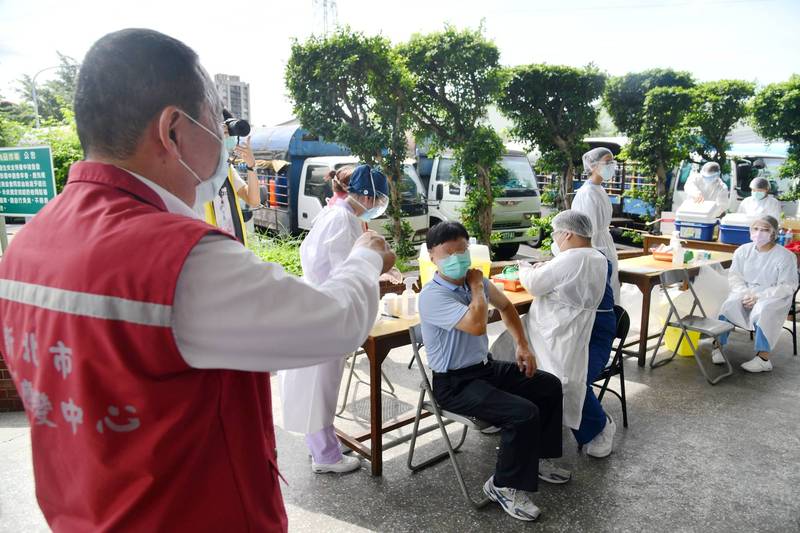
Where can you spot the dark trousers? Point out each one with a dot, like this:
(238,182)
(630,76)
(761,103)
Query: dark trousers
(528,410)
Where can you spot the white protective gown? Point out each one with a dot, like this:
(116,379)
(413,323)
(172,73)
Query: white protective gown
(567,291)
(712,191)
(592,200)
(768,206)
(309,394)
(772,277)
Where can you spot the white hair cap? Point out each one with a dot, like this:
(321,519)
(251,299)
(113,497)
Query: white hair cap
(574,222)
(593,157)
(759,183)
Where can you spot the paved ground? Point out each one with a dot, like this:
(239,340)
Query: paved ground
(695,458)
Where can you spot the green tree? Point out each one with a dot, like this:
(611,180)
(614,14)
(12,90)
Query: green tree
(662,140)
(62,138)
(456,75)
(54,95)
(353,89)
(552,106)
(776,115)
(717,106)
(624,96)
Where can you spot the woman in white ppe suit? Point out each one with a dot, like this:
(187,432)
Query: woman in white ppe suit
(760,202)
(763,278)
(592,200)
(309,394)
(571,324)
(707,186)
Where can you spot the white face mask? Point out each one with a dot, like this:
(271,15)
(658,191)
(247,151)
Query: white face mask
(555,249)
(608,170)
(207,189)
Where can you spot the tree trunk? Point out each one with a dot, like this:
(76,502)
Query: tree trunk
(395,212)
(565,186)
(485,217)
(661,186)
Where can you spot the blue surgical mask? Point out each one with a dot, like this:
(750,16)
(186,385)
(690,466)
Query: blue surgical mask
(230,143)
(759,195)
(455,266)
(711,177)
(607,171)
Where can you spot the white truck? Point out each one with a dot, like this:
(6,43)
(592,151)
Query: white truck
(512,211)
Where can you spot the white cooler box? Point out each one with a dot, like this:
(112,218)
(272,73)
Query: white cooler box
(696,220)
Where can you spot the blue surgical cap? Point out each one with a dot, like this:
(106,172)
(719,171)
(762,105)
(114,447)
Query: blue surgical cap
(360,182)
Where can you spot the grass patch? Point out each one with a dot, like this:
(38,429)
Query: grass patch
(284,251)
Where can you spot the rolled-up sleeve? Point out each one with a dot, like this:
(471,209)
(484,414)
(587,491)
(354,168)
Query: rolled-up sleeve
(441,309)
(234,311)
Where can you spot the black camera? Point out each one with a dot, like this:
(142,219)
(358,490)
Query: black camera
(237,127)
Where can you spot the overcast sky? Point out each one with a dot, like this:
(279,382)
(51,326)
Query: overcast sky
(756,40)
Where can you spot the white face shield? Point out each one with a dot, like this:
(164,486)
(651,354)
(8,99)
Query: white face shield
(380,202)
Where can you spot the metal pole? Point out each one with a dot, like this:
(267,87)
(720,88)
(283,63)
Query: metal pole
(35,103)
(3,235)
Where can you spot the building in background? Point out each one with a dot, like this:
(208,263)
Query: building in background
(235,95)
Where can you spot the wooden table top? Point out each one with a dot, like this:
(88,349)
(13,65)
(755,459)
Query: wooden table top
(648,265)
(392,326)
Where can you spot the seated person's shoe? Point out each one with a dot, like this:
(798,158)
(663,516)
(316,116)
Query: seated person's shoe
(550,472)
(716,357)
(601,445)
(756,364)
(491,430)
(515,502)
(345,464)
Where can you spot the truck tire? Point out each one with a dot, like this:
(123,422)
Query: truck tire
(536,241)
(504,251)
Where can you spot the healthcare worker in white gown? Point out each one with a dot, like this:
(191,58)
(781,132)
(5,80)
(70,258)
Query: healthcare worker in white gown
(592,200)
(762,278)
(760,202)
(571,325)
(707,186)
(309,394)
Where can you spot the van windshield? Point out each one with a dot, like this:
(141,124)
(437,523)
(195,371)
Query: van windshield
(518,179)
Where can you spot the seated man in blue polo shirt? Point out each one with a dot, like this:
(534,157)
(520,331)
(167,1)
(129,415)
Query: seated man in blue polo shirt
(524,402)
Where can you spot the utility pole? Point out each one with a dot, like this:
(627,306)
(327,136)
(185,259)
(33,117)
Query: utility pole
(327,12)
(33,91)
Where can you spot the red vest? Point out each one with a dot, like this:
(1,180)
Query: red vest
(125,435)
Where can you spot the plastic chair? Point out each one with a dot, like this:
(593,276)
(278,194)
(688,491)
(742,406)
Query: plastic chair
(443,417)
(691,322)
(616,366)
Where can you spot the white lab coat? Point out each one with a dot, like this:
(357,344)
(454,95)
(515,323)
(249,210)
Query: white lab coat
(592,200)
(768,206)
(309,394)
(711,190)
(567,291)
(772,277)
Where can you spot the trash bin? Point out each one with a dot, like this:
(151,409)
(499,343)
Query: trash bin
(671,337)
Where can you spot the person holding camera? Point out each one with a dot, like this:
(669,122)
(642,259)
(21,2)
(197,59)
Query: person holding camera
(240,149)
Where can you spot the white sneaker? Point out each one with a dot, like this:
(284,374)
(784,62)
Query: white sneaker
(601,445)
(716,357)
(345,464)
(552,473)
(491,430)
(756,364)
(515,502)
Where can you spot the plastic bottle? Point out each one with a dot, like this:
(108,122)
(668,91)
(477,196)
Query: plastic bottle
(427,268)
(677,249)
(782,237)
(390,305)
(481,258)
(408,305)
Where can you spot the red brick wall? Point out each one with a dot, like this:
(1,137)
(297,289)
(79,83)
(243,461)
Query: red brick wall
(9,399)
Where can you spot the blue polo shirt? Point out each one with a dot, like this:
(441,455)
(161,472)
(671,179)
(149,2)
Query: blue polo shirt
(442,305)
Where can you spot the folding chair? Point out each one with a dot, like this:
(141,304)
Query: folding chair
(697,323)
(443,418)
(352,372)
(616,366)
(793,317)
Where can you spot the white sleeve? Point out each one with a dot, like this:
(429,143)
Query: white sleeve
(736,279)
(787,280)
(234,311)
(691,187)
(585,204)
(540,281)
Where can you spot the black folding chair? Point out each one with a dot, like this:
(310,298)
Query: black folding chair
(443,418)
(696,323)
(793,317)
(616,367)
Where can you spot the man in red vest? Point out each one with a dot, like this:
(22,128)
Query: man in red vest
(139,337)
